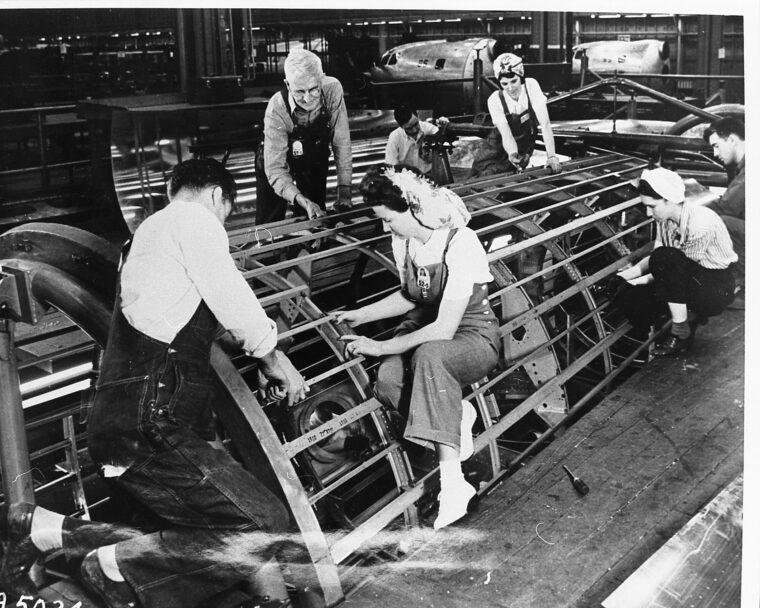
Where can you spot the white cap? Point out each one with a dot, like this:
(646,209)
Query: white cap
(508,62)
(668,184)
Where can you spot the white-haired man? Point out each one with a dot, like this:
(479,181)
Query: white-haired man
(301,123)
(687,272)
(516,109)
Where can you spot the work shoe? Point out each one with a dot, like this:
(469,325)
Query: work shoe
(466,447)
(19,552)
(112,593)
(452,503)
(673,345)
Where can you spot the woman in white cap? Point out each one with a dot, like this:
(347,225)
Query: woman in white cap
(516,109)
(687,273)
(449,336)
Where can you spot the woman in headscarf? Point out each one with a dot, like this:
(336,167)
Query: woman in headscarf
(516,109)
(449,336)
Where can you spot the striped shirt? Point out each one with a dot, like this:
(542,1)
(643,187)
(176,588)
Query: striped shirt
(701,235)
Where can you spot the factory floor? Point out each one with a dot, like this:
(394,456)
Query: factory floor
(654,453)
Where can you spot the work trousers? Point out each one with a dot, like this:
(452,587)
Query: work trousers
(678,280)
(148,430)
(427,382)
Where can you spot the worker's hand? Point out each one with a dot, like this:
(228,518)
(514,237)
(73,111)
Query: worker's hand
(344,199)
(553,164)
(519,160)
(312,209)
(282,379)
(352,317)
(629,273)
(361,345)
(442,121)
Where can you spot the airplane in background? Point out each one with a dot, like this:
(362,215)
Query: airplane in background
(439,73)
(606,57)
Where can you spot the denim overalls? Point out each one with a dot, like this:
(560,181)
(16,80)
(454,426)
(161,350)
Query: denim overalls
(428,380)
(492,158)
(148,428)
(308,159)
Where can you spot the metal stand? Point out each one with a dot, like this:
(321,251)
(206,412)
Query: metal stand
(16,304)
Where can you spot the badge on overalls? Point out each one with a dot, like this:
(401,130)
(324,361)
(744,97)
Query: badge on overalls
(423,280)
(297,148)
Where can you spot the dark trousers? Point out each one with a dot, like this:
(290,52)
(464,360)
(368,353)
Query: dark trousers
(679,280)
(311,181)
(148,430)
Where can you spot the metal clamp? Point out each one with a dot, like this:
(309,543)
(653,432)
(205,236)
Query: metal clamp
(17,301)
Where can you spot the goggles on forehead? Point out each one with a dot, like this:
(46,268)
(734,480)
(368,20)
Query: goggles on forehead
(508,74)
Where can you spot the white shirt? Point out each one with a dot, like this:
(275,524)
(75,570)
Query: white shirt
(466,260)
(404,150)
(180,256)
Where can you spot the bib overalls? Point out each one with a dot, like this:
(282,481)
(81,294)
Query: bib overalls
(492,158)
(426,384)
(308,158)
(148,430)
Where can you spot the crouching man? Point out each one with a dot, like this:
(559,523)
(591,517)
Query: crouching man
(152,420)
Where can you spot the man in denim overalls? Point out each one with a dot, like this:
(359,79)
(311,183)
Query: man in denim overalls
(151,421)
(301,123)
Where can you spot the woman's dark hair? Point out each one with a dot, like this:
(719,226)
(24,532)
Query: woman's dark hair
(645,189)
(377,189)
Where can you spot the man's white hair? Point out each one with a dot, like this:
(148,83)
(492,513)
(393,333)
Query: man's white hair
(301,62)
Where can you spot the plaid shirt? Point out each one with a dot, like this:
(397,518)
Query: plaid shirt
(701,235)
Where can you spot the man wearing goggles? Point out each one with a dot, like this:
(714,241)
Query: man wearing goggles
(516,109)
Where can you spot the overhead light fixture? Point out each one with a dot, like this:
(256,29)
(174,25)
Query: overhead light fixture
(608,16)
(395,22)
(432,20)
(457,20)
(639,16)
(379,23)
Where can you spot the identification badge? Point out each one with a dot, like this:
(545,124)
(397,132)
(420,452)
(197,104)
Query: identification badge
(423,280)
(297,148)
(525,117)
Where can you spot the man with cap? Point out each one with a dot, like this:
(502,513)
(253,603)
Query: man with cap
(301,123)
(406,143)
(687,274)
(516,109)
(726,137)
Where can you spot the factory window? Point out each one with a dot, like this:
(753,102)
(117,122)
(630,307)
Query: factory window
(439,63)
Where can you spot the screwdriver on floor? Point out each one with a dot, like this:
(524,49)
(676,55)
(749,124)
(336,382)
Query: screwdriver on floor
(577,482)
